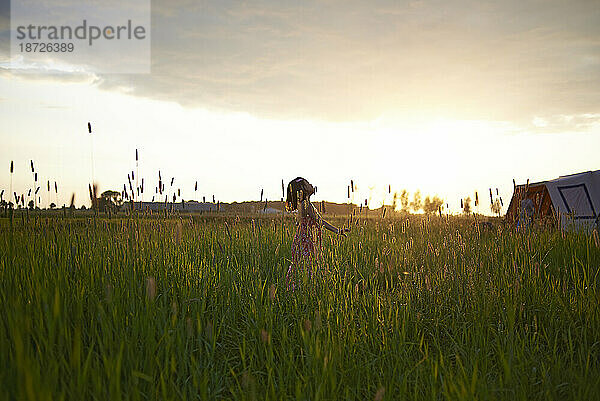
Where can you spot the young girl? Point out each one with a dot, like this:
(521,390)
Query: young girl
(306,247)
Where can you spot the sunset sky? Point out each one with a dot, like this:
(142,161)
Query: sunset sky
(445,97)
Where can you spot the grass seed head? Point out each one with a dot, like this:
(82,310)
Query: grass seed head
(151,288)
(307,325)
(272,292)
(189,325)
(318,322)
(265,336)
(208,330)
(108,292)
(379,394)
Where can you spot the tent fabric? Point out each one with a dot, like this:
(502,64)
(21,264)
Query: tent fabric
(577,199)
(574,199)
(538,194)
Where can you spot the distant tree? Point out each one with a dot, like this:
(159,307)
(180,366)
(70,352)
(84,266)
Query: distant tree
(496,207)
(427,205)
(417,203)
(431,205)
(31,204)
(110,200)
(467,205)
(52,205)
(404,202)
(83,207)
(395,201)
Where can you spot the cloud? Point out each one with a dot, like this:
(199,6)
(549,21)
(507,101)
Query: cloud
(4,28)
(348,60)
(17,68)
(565,123)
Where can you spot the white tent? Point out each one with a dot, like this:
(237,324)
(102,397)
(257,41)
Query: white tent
(573,199)
(576,199)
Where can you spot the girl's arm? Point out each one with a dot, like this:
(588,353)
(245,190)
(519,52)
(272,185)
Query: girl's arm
(333,228)
(315,215)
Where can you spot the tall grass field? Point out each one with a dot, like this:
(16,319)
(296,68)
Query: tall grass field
(197,308)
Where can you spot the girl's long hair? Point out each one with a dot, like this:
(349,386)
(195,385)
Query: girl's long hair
(297,184)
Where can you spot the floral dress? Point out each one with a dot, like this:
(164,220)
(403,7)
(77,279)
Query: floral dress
(306,249)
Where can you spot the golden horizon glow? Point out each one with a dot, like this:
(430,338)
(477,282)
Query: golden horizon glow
(235,155)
